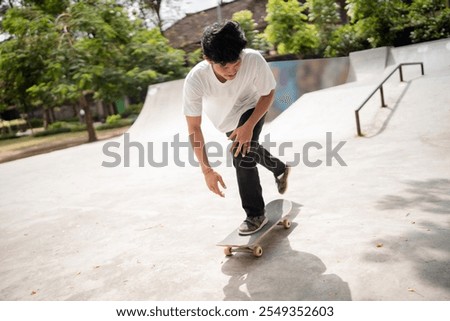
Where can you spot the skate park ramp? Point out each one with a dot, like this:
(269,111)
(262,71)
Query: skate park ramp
(162,117)
(370,217)
(332,109)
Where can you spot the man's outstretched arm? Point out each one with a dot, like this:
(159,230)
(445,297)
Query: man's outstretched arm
(212,178)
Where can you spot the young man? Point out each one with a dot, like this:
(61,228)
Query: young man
(234,87)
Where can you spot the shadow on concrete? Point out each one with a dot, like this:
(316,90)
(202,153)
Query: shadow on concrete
(427,246)
(385,122)
(431,196)
(281,274)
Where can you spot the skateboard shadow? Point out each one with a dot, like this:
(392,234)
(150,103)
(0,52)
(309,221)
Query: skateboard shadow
(281,274)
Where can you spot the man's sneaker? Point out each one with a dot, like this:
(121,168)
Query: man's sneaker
(252,224)
(282,180)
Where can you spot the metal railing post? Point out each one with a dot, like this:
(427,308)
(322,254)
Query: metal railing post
(383,104)
(358,125)
(401,73)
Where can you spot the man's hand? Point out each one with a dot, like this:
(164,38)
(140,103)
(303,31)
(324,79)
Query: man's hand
(212,179)
(241,138)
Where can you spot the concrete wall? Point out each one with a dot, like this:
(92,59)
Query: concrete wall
(297,77)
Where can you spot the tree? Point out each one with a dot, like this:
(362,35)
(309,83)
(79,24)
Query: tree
(345,40)
(324,14)
(150,59)
(247,23)
(51,7)
(94,36)
(150,11)
(429,20)
(91,51)
(24,55)
(379,21)
(288,29)
(372,24)
(255,39)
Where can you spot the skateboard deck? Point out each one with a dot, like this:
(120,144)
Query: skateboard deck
(276,212)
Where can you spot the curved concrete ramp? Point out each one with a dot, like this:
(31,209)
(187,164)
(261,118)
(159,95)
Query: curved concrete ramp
(161,114)
(162,118)
(367,63)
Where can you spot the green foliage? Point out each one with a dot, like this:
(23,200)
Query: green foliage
(389,23)
(51,7)
(60,51)
(71,126)
(345,40)
(8,136)
(113,119)
(194,57)
(288,28)
(372,24)
(36,122)
(429,20)
(132,110)
(118,124)
(55,131)
(150,59)
(248,24)
(378,21)
(24,56)
(324,15)
(255,40)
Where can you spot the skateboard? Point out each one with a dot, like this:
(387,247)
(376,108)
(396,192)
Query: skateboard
(276,212)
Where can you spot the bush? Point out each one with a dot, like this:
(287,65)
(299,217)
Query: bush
(134,109)
(8,136)
(113,119)
(77,127)
(119,123)
(73,126)
(53,132)
(430,20)
(36,122)
(57,125)
(344,40)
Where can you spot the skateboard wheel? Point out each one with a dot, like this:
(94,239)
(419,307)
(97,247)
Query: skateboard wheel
(227,251)
(257,251)
(286,223)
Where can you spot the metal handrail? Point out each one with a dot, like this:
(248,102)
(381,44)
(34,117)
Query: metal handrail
(380,87)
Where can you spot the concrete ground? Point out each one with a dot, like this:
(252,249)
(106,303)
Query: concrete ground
(375,229)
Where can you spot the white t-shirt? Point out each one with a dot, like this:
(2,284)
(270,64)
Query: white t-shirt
(224,103)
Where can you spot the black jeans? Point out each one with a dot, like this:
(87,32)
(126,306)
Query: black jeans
(247,174)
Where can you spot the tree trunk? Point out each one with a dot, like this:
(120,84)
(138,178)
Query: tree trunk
(74,110)
(112,108)
(52,114)
(106,112)
(92,137)
(343,11)
(46,118)
(29,123)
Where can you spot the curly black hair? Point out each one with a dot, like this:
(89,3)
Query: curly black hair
(223,43)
